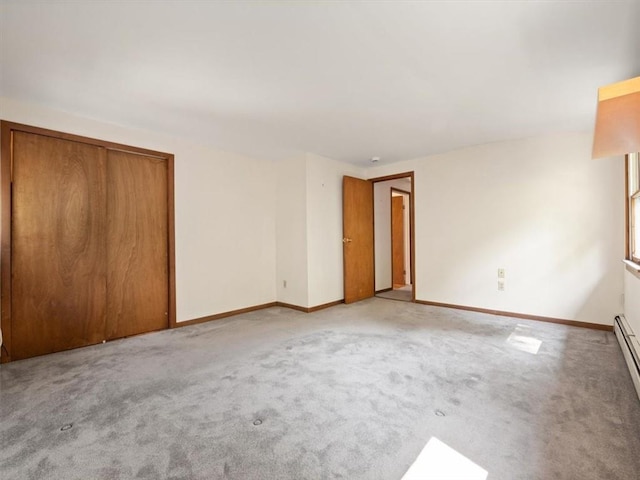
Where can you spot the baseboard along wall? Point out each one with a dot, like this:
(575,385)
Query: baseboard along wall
(254,308)
(573,323)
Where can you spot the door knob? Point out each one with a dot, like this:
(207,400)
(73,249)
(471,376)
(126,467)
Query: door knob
(346,240)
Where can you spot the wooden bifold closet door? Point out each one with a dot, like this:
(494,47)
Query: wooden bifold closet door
(137,286)
(89,244)
(59,250)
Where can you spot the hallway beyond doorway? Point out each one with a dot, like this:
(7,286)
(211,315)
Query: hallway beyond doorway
(402,294)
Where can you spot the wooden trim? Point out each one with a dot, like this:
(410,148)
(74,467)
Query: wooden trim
(394,189)
(91,141)
(572,323)
(292,307)
(255,308)
(373,234)
(395,176)
(629,198)
(324,305)
(309,309)
(390,233)
(412,230)
(6,142)
(219,316)
(412,223)
(171,240)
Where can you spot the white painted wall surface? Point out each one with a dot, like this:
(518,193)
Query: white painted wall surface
(291,232)
(382,230)
(224,213)
(632,300)
(324,227)
(382,235)
(540,208)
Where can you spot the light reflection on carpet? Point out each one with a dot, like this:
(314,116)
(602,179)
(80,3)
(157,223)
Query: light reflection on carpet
(522,339)
(438,461)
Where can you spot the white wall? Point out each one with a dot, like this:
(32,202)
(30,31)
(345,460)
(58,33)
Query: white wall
(324,227)
(632,300)
(291,232)
(540,208)
(309,229)
(382,230)
(225,209)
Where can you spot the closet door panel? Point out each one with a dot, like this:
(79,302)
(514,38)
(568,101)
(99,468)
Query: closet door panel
(137,244)
(59,251)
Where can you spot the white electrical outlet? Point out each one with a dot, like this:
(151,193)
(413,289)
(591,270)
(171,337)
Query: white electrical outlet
(501,273)
(284,283)
(500,286)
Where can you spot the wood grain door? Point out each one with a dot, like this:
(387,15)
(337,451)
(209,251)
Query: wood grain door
(397,241)
(58,245)
(137,237)
(357,228)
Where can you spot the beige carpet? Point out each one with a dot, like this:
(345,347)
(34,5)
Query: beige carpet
(351,392)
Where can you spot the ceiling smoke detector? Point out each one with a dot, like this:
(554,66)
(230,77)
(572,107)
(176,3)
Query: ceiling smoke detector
(375,159)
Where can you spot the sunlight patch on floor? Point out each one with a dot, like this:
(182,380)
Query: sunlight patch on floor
(522,339)
(438,461)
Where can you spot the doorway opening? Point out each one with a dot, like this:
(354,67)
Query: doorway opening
(366,229)
(393,237)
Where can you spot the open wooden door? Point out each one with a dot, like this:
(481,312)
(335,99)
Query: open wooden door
(357,228)
(397,241)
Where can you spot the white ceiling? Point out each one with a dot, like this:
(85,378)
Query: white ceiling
(347,80)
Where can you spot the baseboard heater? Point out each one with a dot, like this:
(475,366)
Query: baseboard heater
(630,346)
